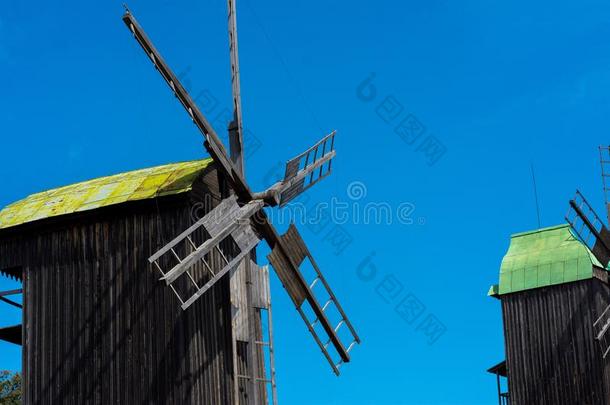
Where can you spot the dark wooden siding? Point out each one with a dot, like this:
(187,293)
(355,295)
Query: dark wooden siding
(100,328)
(551,353)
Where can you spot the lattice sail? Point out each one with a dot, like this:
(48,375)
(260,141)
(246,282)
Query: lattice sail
(589,228)
(308,168)
(226,221)
(286,260)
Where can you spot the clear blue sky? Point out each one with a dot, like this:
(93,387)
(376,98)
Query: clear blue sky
(500,84)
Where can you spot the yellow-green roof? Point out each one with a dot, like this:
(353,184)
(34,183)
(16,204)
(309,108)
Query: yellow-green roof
(141,184)
(544,257)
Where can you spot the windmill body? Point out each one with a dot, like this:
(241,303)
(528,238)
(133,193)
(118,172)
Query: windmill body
(144,287)
(98,325)
(555,297)
(551,290)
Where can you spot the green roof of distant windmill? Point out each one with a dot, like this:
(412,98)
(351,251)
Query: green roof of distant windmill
(544,257)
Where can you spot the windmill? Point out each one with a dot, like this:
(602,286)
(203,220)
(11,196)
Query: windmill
(554,291)
(240,221)
(592,231)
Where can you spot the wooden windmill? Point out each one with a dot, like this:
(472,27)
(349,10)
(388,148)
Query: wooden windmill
(236,226)
(554,290)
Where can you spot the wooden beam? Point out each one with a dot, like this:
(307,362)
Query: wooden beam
(212,141)
(11,302)
(236,139)
(10,292)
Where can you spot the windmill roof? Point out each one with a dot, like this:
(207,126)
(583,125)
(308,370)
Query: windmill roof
(174,178)
(544,257)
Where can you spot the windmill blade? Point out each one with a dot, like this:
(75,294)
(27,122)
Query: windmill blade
(213,144)
(286,258)
(231,223)
(589,228)
(294,183)
(4,294)
(236,140)
(226,220)
(252,242)
(308,168)
(302,172)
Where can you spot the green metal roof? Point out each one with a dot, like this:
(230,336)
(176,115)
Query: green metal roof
(545,257)
(141,184)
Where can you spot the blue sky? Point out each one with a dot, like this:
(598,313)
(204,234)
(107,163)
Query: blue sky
(500,85)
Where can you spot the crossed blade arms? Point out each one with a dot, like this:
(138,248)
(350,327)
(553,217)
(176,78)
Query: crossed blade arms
(287,251)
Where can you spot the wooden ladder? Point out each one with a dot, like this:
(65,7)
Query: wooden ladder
(261,301)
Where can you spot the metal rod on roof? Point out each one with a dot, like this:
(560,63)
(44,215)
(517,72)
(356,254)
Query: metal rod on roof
(535,194)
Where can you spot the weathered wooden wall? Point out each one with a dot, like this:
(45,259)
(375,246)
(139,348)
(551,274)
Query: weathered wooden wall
(100,328)
(551,353)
